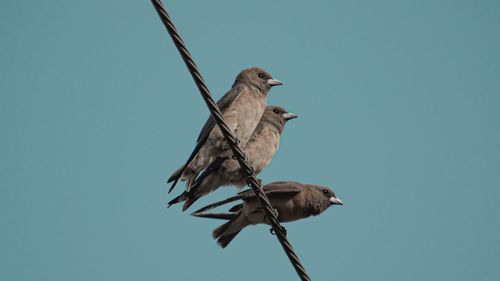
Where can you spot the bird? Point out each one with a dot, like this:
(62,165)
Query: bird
(242,107)
(259,151)
(292,201)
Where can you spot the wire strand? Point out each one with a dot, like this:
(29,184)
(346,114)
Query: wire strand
(231,140)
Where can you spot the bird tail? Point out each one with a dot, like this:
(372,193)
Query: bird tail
(185,172)
(195,193)
(178,199)
(189,197)
(224,240)
(175,177)
(226,232)
(190,201)
(199,185)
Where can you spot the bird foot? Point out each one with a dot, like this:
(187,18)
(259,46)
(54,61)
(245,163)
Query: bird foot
(282,230)
(226,145)
(275,213)
(260,182)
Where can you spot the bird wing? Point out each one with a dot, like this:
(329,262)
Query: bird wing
(217,204)
(275,189)
(224,103)
(220,216)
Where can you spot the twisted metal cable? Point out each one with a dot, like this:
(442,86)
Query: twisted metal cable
(238,153)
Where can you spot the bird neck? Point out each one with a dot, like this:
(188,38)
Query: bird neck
(262,89)
(274,123)
(315,206)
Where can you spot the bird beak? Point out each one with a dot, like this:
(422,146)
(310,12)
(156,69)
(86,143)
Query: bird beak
(274,82)
(288,116)
(335,201)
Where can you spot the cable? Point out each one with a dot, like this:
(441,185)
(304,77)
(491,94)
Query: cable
(231,140)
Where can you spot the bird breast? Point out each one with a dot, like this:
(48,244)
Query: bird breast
(245,114)
(262,147)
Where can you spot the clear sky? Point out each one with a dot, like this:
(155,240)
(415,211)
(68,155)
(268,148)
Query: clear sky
(399,105)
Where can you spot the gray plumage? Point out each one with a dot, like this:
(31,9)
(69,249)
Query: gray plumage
(292,201)
(259,150)
(242,107)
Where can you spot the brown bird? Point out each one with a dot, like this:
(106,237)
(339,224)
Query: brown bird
(242,107)
(292,201)
(259,150)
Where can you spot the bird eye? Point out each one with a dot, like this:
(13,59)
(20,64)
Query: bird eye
(325,191)
(276,110)
(261,75)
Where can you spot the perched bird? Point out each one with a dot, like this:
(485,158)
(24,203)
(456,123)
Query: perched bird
(292,201)
(259,150)
(242,107)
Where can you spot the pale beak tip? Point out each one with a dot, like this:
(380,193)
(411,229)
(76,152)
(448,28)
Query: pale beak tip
(274,82)
(288,116)
(336,201)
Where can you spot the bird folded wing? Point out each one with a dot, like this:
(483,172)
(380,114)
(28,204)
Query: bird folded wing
(274,188)
(224,103)
(281,188)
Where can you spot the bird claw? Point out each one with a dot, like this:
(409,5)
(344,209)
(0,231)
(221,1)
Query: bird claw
(259,181)
(226,145)
(282,230)
(275,213)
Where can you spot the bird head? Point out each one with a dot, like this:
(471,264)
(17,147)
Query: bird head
(330,196)
(321,198)
(258,78)
(277,116)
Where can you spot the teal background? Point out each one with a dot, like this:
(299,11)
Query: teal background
(399,114)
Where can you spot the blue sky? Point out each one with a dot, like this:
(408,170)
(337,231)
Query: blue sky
(399,110)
